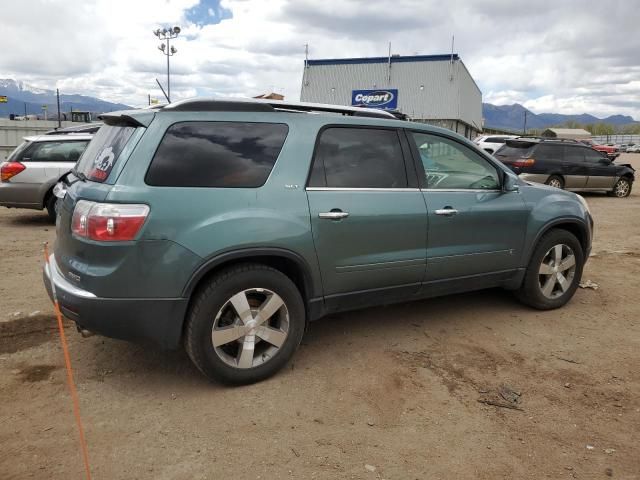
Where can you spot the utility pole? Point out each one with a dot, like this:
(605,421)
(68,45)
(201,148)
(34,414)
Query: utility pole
(58,100)
(524,128)
(167,34)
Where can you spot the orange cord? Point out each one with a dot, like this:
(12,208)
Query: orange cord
(70,382)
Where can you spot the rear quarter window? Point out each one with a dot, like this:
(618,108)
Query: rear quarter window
(216,154)
(548,152)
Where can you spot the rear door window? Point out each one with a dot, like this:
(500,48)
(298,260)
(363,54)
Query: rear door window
(103,151)
(574,154)
(217,154)
(358,158)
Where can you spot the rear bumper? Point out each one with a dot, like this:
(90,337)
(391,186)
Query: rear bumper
(21,195)
(158,320)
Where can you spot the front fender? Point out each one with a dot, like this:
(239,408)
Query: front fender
(552,208)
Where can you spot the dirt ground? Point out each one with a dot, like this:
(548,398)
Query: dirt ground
(387,393)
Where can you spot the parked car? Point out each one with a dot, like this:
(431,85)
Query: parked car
(609,150)
(491,143)
(227,226)
(566,164)
(35,166)
(634,149)
(83,128)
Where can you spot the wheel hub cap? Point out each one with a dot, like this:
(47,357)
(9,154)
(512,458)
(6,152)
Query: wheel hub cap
(557,271)
(250,328)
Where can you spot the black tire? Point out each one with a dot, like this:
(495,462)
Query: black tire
(50,205)
(555,181)
(213,298)
(531,290)
(622,188)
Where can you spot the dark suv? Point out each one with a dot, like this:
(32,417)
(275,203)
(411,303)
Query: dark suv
(566,164)
(229,225)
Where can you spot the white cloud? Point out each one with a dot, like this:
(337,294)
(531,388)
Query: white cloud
(561,56)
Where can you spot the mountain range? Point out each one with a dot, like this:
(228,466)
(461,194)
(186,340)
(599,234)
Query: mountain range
(22,97)
(511,117)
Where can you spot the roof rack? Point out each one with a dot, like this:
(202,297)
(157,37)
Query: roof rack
(262,105)
(88,128)
(546,139)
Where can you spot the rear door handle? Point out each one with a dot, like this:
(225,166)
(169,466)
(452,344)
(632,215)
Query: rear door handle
(446,211)
(333,215)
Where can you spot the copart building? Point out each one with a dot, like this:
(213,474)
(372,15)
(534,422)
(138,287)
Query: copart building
(434,89)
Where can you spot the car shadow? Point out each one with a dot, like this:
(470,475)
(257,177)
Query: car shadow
(324,338)
(31,219)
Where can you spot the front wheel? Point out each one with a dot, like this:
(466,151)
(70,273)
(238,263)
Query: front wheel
(245,324)
(554,271)
(621,189)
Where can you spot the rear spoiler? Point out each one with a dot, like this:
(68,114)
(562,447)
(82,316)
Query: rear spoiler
(519,143)
(128,118)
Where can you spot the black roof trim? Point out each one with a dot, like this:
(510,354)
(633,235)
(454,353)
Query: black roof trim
(199,105)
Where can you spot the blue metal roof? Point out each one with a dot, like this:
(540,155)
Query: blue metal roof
(408,58)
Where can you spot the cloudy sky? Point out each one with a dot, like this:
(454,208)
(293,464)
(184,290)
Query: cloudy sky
(561,57)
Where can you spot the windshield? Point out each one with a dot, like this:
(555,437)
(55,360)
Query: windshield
(103,151)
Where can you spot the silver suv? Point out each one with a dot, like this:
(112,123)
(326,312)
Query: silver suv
(35,166)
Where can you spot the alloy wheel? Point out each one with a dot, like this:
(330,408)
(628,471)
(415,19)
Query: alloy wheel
(554,182)
(622,188)
(557,270)
(250,328)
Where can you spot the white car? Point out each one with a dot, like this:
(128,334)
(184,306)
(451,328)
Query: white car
(634,148)
(32,170)
(491,143)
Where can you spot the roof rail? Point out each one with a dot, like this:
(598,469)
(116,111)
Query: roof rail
(263,105)
(546,139)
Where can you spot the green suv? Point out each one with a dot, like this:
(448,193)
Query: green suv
(229,225)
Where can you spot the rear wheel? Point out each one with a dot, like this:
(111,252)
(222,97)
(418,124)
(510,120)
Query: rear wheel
(554,271)
(52,208)
(621,189)
(555,181)
(245,324)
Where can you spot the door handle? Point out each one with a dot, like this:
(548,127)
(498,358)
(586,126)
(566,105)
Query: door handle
(333,215)
(446,211)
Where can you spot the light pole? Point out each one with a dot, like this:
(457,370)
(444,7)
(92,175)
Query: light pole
(167,34)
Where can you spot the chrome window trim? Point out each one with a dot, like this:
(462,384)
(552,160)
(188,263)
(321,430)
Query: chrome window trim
(475,190)
(348,189)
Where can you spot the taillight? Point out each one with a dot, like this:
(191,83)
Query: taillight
(10,169)
(108,222)
(523,162)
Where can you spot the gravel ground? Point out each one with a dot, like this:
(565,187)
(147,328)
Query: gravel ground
(392,393)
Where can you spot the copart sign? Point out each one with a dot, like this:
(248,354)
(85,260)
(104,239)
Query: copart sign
(386,99)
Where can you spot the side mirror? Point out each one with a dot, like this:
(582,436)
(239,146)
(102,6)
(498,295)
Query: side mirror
(604,161)
(510,183)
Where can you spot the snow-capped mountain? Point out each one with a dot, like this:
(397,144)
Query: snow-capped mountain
(21,95)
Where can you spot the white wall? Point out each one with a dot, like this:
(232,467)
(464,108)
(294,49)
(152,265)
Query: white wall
(12,132)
